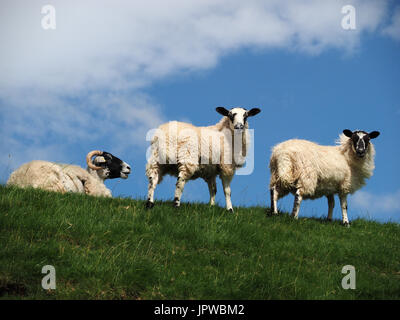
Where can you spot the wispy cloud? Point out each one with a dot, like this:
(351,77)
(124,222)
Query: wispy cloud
(378,204)
(393,29)
(50,127)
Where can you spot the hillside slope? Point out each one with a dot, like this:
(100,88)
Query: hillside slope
(115,249)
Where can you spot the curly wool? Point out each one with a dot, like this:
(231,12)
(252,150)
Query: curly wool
(319,170)
(59,178)
(182,148)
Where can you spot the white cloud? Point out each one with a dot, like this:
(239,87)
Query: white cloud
(377,203)
(82,81)
(120,44)
(393,29)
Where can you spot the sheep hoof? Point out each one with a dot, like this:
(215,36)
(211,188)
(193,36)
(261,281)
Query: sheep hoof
(346,224)
(149,204)
(328,219)
(176,203)
(230,210)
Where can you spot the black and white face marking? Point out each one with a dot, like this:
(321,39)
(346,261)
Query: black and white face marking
(360,140)
(113,166)
(238,116)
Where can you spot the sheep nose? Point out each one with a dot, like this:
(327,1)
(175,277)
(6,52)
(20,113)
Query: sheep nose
(239,126)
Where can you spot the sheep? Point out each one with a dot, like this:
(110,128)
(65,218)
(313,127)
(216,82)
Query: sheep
(310,171)
(71,178)
(185,151)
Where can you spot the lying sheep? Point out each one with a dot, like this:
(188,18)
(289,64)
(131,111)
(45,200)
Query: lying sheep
(310,171)
(71,178)
(189,152)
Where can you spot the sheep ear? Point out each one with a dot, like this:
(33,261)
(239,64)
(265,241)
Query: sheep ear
(348,133)
(253,112)
(223,111)
(374,134)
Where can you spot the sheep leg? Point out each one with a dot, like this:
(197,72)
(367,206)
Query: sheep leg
(343,204)
(274,200)
(297,201)
(153,180)
(212,188)
(226,183)
(331,205)
(180,184)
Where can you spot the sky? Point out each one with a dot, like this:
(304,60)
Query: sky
(111,71)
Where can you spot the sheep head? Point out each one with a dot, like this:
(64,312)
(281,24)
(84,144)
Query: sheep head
(238,116)
(360,140)
(107,165)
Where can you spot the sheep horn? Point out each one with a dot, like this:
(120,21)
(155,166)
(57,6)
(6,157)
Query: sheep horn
(89,159)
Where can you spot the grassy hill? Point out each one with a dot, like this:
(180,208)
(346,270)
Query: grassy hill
(115,249)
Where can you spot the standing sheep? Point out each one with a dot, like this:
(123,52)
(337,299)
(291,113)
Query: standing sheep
(189,152)
(71,178)
(310,171)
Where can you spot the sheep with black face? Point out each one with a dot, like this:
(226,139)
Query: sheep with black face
(189,152)
(310,171)
(71,178)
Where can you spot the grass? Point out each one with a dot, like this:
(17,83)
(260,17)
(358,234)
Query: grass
(115,249)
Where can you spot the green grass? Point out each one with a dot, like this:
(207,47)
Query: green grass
(115,249)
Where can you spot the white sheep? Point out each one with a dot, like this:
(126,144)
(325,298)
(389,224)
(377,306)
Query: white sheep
(189,152)
(71,178)
(310,171)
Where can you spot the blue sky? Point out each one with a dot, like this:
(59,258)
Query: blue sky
(106,75)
